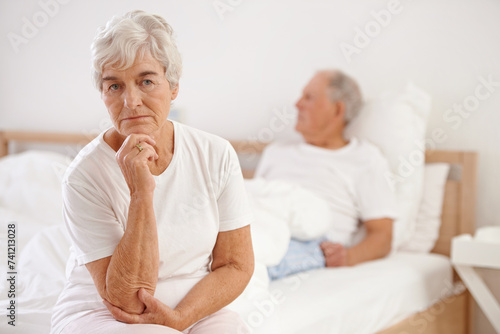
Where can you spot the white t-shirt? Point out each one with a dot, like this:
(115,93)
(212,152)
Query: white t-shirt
(200,194)
(352,179)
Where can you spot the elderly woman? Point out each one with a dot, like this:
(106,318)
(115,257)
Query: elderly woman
(156,211)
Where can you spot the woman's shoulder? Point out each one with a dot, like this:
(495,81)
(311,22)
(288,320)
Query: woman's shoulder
(93,159)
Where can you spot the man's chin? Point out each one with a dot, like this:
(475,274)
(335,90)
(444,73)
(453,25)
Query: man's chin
(299,128)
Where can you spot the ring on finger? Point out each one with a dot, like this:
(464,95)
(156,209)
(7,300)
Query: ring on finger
(139,147)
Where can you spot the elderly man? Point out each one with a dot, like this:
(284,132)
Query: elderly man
(349,175)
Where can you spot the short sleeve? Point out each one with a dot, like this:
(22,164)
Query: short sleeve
(92,225)
(232,202)
(375,196)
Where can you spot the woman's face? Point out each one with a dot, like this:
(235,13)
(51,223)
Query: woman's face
(138,98)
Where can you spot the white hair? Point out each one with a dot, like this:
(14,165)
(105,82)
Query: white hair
(342,87)
(132,35)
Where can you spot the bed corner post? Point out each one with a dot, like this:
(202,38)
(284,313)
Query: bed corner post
(468,196)
(468,218)
(4,144)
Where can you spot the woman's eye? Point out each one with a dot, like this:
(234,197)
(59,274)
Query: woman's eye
(147,82)
(114,87)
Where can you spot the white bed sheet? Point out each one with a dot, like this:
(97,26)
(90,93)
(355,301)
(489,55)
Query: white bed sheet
(40,278)
(362,299)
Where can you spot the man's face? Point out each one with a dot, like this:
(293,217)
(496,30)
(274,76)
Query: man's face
(316,111)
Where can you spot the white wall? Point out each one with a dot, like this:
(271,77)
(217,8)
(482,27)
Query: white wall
(241,70)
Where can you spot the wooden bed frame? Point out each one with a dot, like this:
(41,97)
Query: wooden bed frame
(450,315)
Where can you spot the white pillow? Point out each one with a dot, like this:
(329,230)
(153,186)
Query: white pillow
(396,123)
(31,184)
(429,215)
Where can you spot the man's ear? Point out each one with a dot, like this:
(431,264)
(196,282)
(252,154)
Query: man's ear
(340,109)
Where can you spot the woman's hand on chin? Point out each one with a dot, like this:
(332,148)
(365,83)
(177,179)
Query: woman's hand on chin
(155,313)
(134,157)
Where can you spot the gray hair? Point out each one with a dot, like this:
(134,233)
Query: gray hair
(132,35)
(342,87)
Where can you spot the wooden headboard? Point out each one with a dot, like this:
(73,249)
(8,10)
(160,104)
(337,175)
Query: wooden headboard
(460,194)
(459,207)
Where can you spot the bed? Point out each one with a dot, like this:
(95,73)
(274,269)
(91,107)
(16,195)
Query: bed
(403,293)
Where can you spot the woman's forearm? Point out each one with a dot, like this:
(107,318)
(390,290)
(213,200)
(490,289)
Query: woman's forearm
(213,292)
(134,263)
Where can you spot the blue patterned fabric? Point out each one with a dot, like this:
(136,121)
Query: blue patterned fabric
(300,256)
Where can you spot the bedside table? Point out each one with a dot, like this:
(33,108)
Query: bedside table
(482,250)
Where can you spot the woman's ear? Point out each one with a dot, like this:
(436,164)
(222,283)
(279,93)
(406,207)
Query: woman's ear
(175,91)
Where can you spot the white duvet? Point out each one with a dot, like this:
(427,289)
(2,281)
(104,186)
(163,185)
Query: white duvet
(281,211)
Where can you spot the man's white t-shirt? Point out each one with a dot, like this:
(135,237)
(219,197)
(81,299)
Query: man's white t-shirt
(200,194)
(352,179)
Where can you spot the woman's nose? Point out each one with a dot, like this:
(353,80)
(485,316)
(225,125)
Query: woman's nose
(132,97)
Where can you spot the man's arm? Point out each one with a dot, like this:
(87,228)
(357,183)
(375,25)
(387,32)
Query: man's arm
(375,245)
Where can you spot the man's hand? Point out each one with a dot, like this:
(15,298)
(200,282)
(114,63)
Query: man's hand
(375,245)
(335,254)
(155,313)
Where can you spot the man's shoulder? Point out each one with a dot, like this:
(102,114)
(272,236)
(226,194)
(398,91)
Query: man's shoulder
(367,147)
(369,152)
